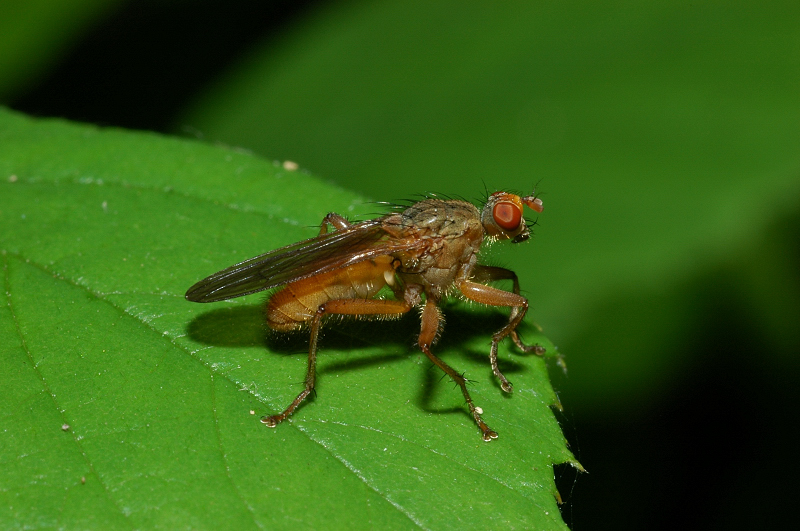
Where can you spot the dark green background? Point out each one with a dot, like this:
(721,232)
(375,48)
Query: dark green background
(664,137)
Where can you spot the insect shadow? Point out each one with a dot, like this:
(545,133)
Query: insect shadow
(238,326)
(466,338)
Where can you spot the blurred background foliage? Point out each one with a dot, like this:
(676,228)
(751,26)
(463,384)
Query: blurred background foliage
(663,136)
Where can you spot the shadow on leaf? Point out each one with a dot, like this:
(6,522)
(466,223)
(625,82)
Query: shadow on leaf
(387,341)
(237,326)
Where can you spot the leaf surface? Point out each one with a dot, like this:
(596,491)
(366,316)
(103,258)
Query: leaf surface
(127,406)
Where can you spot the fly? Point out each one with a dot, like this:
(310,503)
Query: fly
(422,253)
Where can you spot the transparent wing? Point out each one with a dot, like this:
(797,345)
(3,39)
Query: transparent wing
(324,253)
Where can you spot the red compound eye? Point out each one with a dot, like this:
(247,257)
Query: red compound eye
(507,215)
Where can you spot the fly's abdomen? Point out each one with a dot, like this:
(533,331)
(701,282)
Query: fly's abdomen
(297,303)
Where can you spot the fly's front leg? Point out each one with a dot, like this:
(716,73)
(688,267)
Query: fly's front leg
(334,220)
(387,308)
(498,297)
(484,274)
(431,318)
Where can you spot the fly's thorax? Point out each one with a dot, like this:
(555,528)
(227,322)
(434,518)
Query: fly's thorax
(437,217)
(454,233)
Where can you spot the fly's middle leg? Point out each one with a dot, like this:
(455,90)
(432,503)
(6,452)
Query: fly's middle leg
(431,318)
(388,308)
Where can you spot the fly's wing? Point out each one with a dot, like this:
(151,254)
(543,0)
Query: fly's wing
(299,260)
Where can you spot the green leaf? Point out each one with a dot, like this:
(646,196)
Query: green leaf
(124,405)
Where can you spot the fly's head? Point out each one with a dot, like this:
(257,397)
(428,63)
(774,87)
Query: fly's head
(502,216)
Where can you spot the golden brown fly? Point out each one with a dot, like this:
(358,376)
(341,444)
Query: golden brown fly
(422,253)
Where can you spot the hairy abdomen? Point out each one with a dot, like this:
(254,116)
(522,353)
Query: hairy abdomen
(296,303)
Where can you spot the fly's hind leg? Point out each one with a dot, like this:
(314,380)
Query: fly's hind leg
(476,291)
(431,318)
(388,308)
(311,373)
